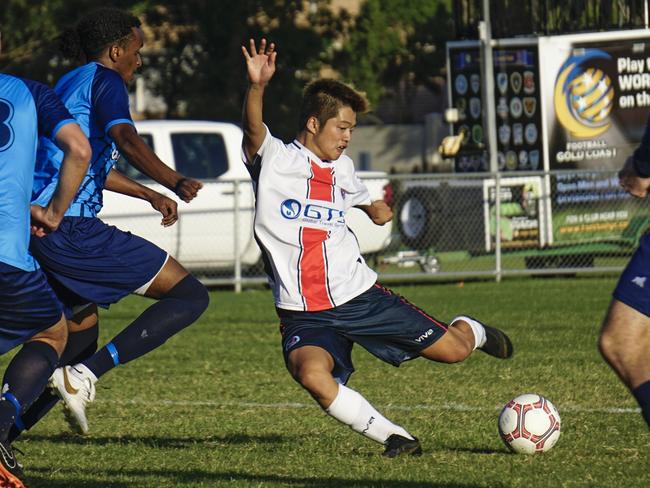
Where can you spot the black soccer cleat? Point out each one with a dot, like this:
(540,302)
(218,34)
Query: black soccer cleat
(10,469)
(397,445)
(497,343)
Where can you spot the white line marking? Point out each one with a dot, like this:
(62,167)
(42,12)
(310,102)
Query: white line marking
(456,407)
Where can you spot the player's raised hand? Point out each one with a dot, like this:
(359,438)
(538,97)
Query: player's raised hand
(631,181)
(187,189)
(167,207)
(260,63)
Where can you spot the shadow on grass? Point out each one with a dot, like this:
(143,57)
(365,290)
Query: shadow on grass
(152,441)
(69,477)
(476,450)
(46,482)
(217,479)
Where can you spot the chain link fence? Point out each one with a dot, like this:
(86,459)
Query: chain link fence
(549,223)
(444,227)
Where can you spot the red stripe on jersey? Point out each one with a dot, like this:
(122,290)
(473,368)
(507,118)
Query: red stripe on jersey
(321,184)
(313,274)
(313,268)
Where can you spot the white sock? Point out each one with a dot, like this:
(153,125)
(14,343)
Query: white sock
(350,408)
(477,329)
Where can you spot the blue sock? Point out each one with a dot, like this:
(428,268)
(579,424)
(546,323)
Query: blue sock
(181,306)
(81,345)
(642,395)
(24,380)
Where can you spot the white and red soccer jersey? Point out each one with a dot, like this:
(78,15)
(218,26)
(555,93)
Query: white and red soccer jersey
(312,258)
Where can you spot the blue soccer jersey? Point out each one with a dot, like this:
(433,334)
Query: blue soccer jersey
(97,98)
(27,110)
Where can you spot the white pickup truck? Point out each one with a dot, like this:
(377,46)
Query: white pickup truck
(215,230)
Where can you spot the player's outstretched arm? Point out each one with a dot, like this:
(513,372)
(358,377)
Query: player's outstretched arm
(120,183)
(141,157)
(378,211)
(631,181)
(76,156)
(260,66)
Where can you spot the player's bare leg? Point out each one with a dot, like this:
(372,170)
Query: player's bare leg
(624,343)
(170,275)
(465,334)
(312,367)
(453,347)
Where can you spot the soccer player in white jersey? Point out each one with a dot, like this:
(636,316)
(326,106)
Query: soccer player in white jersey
(326,297)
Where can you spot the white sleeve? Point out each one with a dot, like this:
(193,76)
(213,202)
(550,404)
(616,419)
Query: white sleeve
(355,191)
(270,146)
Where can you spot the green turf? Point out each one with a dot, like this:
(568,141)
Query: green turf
(215,406)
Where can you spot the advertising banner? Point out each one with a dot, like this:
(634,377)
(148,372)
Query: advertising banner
(521,213)
(600,100)
(597,102)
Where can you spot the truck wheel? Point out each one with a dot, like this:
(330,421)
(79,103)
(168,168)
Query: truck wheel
(418,216)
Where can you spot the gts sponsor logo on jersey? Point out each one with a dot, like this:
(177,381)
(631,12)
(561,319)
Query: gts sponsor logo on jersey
(312,213)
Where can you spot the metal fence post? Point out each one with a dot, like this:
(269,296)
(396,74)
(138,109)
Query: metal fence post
(497,238)
(547,205)
(237,246)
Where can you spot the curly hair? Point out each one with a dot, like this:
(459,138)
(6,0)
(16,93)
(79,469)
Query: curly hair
(96,31)
(324,98)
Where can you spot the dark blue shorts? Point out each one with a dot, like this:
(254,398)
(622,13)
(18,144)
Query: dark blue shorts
(382,322)
(88,261)
(27,305)
(633,286)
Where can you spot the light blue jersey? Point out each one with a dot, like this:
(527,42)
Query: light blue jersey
(97,98)
(27,110)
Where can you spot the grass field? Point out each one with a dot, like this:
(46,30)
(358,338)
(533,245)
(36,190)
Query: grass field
(215,406)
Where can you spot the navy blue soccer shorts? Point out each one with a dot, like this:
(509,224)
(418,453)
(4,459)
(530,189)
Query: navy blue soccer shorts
(88,261)
(27,305)
(382,322)
(633,286)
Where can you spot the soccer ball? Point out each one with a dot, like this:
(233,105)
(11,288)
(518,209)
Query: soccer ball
(529,424)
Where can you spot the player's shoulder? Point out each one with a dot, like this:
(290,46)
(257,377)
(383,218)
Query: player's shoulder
(278,145)
(41,94)
(106,77)
(23,83)
(102,71)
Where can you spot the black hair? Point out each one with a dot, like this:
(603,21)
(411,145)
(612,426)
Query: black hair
(324,98)
(96,31)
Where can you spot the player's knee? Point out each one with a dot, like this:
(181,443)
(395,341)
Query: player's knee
(193,294)
(608,346)
(310,379)
(459,353)
(464,350)
(200,298)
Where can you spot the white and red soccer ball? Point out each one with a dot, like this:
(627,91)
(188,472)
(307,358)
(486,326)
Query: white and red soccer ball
(529,424)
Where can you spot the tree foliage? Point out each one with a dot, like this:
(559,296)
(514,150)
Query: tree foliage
(200,71)
(193,61)
(395,44)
